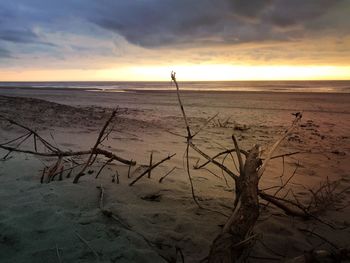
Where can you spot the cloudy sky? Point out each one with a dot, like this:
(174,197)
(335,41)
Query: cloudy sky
(200,39)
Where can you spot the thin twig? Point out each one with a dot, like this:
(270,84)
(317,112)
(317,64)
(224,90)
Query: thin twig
(16,139)
(97,143)
(150,164)
(189,175)
(163,177)
(205,125)
(129,168)
(223,167)
(238,152)
(289,211)
(45,143)
(151,168)
(276,144)
(218,155)
(173,77)
(103,166)
(17,146)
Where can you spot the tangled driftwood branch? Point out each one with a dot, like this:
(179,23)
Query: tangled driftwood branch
(58,167)
(230,244)
(52,151)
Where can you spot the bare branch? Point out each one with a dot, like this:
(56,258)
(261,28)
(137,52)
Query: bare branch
(218,155)
(173,77)
(98,142)
(97,151)
(151,168)
(16,139)
(150,164)
(205,124)
(238,152)
(103,166)
(163,177)
(279,203)
(223,167)
(45,143)
(277,143)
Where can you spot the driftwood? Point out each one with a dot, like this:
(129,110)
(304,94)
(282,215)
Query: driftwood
(57,168)
(236,234)
(164,176)
(52,151)
(101,137)
(238,227)
(151,168)
(150,164)
(96,151)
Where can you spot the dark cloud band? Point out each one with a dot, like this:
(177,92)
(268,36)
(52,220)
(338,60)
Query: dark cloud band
(169,23)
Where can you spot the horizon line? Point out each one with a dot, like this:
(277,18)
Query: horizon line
(255,80)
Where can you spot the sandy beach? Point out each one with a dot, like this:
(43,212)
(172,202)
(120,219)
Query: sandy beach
(48,222)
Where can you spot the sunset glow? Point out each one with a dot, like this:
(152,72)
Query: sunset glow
(227,72)
(187,73)
(138,41)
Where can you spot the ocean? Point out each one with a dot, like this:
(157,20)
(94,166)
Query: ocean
(249,86)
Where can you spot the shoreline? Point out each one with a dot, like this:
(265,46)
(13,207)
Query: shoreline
(170,91)
(317,87)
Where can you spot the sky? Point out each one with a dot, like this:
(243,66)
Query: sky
(138,40)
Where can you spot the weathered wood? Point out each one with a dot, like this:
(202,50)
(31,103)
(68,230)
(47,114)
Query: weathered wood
(227,245)
(302,213)
(97,151)
(97,143)
(53,170)
(150,164)
(278,142)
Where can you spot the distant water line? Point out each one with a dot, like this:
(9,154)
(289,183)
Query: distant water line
(245,86)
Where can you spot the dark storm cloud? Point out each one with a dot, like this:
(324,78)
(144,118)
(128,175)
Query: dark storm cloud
(251,8)
(157,23)
(286,13)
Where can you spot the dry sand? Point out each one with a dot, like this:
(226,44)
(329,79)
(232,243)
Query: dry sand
(36,219)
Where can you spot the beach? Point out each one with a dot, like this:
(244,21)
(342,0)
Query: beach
(47,222)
